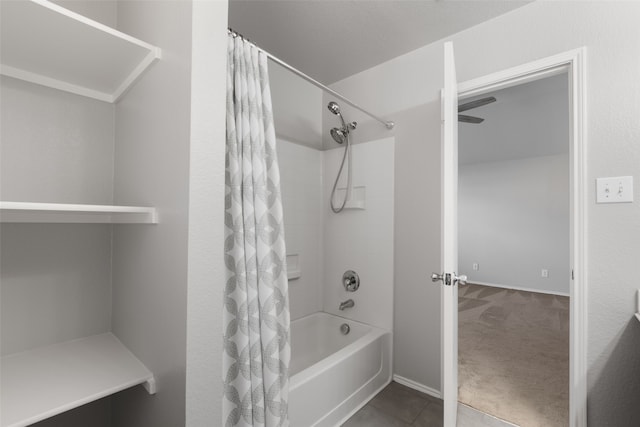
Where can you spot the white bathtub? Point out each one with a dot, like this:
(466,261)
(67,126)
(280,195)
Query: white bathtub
(333,375)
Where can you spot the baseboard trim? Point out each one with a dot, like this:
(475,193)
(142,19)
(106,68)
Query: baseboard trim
(417,386)
(518,288)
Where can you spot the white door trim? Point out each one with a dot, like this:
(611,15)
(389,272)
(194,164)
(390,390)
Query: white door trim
(573,62)
(449,240)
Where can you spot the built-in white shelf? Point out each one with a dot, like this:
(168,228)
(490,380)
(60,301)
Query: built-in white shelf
(49,45)
(356,198)
(293,267)
(70,213)
(38,384)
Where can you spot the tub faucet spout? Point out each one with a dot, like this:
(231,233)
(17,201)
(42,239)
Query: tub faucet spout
(347,304)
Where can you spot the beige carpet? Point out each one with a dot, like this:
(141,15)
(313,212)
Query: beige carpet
(513,354)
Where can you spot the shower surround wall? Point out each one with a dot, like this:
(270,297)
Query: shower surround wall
(328,244)
(301,186)
(325,243)
(361,240)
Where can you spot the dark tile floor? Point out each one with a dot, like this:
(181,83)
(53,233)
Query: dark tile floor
(399,406)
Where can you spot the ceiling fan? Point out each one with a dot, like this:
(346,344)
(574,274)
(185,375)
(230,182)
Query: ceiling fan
(473,104)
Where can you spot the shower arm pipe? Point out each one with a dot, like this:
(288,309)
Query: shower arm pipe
(387,123)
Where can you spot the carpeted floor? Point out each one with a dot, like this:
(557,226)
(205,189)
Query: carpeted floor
(513,354)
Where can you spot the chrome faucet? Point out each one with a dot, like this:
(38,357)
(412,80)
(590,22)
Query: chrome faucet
(347,304)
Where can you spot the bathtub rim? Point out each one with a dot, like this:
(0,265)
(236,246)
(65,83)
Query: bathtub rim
(333,359)
(387,381)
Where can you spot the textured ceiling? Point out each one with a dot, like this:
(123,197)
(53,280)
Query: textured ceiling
(333,39)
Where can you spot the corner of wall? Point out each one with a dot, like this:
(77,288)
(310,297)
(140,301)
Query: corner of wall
(206,270)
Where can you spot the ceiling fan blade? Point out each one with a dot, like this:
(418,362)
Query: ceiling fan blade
(469,119)
(475,104)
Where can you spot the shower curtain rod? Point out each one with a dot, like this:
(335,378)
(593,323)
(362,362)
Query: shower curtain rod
(388,124)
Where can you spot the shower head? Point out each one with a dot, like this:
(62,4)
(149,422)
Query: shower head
(334,108)
(339,135)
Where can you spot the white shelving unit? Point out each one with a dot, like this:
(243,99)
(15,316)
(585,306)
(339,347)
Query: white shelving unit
(46,44)
(49,45)
(69,213)
(44,382)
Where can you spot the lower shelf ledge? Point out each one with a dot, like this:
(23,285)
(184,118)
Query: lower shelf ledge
(44,382)
(75,213)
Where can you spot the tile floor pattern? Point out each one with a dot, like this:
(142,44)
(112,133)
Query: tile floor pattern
(469,417)
(399,406)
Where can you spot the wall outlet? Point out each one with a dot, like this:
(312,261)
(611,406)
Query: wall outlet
(545,273)
(617,189)
(476,267)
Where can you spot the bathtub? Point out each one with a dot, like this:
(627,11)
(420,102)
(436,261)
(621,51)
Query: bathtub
(333,375)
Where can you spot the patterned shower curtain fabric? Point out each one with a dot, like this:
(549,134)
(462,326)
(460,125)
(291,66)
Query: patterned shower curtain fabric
(256,304)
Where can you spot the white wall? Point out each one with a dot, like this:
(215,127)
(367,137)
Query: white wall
(361,240)
(103,11)
(206,269)
(610,32)
(297,106)
(513,220)
(302,202)
(56,147)
(56,283)
(152,157)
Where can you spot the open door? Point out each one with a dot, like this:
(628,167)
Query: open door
(448,279)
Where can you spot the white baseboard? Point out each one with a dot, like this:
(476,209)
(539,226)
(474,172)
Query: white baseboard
(518,288)
(417,386)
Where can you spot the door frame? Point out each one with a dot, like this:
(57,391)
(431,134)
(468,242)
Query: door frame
(574,63)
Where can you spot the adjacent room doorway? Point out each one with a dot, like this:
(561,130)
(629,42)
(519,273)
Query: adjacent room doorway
(514,248)
(450,277)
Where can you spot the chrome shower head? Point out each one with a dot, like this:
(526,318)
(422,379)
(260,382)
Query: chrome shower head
(339,135)
(334,108)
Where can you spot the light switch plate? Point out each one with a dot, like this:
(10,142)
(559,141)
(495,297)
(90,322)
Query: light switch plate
(618,189)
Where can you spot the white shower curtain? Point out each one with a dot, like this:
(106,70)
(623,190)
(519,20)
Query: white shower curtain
(256,304)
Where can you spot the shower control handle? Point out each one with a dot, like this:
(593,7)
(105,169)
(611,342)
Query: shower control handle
(351,281)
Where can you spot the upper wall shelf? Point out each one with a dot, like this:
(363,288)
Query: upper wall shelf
(43,382)
(49,45)
(66,213)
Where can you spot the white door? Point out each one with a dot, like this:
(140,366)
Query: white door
(448,279)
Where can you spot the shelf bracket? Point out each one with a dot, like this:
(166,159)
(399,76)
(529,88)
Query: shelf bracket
(150,385)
